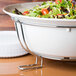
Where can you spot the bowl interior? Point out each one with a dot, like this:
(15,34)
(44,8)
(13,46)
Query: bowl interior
(21,6)
(35,20)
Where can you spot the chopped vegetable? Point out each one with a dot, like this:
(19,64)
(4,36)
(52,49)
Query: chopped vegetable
(25,12)
(57,1)
(44,11)
(17,12)
(60,9)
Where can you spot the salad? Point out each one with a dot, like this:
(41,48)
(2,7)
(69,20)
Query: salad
(60,9)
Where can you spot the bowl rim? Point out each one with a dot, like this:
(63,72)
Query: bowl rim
(15,15)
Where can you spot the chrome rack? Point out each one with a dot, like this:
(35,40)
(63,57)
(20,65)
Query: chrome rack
(29,66)
(32,66)
(35,65)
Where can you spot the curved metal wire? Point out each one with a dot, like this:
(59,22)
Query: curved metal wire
(29,66)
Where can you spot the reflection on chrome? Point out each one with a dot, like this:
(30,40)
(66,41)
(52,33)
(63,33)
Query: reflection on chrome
(31,72)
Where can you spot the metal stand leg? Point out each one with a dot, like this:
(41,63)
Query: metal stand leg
(29,66)
(32,66)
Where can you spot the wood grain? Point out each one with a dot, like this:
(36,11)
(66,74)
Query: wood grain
(39,0)
(5,21)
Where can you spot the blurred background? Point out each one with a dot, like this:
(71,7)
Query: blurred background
(5,22)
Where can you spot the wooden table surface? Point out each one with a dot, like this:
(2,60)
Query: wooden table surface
(8,67)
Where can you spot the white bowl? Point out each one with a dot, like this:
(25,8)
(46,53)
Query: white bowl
(49,38)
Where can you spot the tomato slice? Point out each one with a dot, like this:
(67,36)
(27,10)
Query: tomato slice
(44,11)
(56,1)
(25,12)
(59,14)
